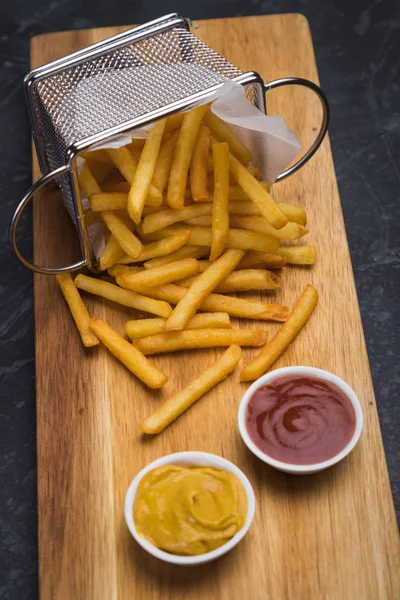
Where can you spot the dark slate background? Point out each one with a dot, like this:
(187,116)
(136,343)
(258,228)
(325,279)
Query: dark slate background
(357,46)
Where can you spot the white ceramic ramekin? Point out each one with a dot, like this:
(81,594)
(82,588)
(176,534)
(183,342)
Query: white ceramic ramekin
(202,459)
(302,371)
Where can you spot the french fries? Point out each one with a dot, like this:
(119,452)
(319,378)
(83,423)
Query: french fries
(78,310)
(131,357)
(87,181)
(220,207)
(199,166)
(119,269)
(163,218)
(242,281)
(284,337)
(224,133)
(158,276)
(180,402)
(182,156)
(257,260)
(160,248)
(144,327)
(289,232)
(125,238)
(121,296)
(144,172)
(184,252)
(126,164)
(206,282)
(174,122)
(111,254)
(164,161)
(108,201)
(191,339)
(298,255)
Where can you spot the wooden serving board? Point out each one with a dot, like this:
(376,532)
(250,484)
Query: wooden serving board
(330,536)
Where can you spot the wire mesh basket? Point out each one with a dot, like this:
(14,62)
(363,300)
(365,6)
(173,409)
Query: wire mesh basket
(129,80)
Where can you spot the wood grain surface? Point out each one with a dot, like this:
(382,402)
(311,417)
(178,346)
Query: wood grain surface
(330,536)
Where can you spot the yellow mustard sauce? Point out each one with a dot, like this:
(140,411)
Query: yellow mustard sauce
(189,510)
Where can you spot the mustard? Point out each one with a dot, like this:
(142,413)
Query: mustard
(189,510)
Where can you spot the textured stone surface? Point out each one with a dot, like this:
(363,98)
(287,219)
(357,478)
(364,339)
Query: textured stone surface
(357,46)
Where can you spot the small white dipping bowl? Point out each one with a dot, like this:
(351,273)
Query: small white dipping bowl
(308,372)
(193,459)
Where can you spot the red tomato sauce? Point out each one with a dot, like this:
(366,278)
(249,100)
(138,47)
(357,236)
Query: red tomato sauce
(300,420)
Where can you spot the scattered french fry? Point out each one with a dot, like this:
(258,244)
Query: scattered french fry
(144,173)
(242,281)
(111,254)
(180,402)
(182,156)
(257,260)
(164,161)
(293,213)
(121,296)
(289,232)
(184,252)
(298,255)
(126,239)
(148,278)
(160,248)
(108,201)
(78,310)
(133,360)
(220,206)
(168,216)
(199,166)
(206,282)
(191,339)
(116,270)
(284,337)
(144,327)
(87,181)
(224,133)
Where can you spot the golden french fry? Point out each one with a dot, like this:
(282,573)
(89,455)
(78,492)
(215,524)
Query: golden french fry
(144,173)
(253,170)
(235,307)
(164,161)
(120,296)
(220,214)
(144,327)
(116,270)
(182,156)
(289,232)
(190,339)
(126,239)
(160,248)
(206,282)
(242,281)
(87,181)
(132,358)
(205,221)
(199,166)
(111,253)
(256,260)
(180,402)
(108,201)
(184,252)
(298,255)
(293,213)
(162,218)
(247,208)
(127,166)
(258,194)
(284,337)
(174,122)
(77,308)
(158,276)
(224,133)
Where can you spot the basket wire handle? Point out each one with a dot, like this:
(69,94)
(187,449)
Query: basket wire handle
(325,118)
(43,181)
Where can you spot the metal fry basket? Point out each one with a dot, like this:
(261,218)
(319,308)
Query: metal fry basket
(111,87)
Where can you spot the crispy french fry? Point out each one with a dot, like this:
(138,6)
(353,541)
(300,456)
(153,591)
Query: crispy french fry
(284,337)
(257,260)
(120,296)
(289,232)
(164,161)
(206,282)
(247,208)
(205,221)
(144,327)
(168,216)
(111,253)
(126,239)
(119,269)
(293,213)
(298,255)
(144,173)
(87,181)
(174,122)
(237,238)
(182,156)
(160,248)
(235,307)
(253,170)
(241,281)
(224,133)
(199,166)
(184,252)
(108,201)
(78,310)
(190,339)
(180,402)
(220,214)
(258,194)
(158,276)
(127,165)
(132,358)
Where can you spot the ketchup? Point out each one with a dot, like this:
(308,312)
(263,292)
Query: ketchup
(300,420)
